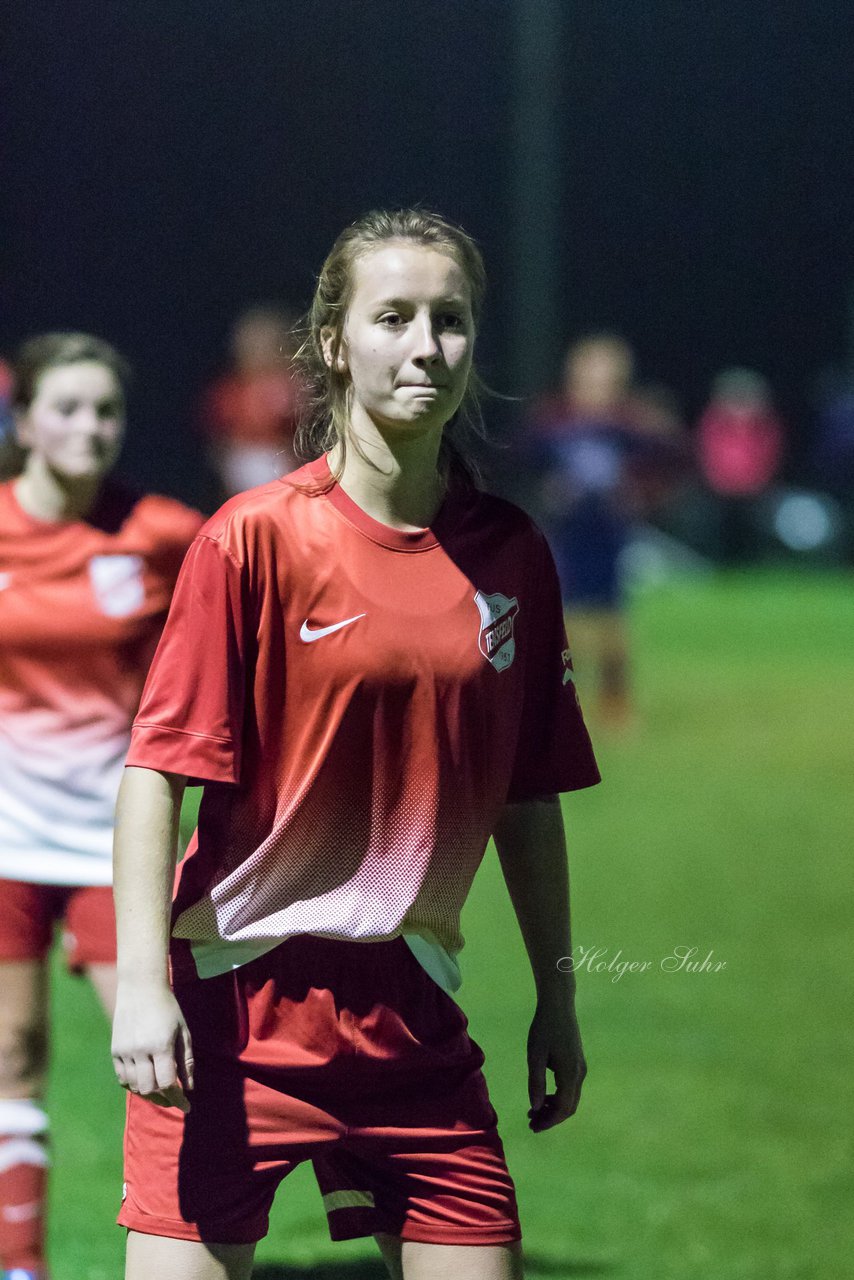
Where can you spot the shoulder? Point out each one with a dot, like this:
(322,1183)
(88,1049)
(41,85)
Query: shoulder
(501,518)
(170,520)
(269,512)
(498,541)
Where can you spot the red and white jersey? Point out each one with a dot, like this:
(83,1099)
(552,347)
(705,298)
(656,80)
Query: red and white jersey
(82,604)
(361,702)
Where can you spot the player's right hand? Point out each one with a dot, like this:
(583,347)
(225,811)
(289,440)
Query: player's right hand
(152,1051)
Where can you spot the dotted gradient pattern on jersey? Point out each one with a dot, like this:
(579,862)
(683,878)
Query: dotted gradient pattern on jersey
(334,685)
(329,866)
(82,603)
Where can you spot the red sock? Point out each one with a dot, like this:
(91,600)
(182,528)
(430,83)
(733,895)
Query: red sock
(23,1183)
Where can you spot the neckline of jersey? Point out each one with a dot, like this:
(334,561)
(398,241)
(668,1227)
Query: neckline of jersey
(384,534)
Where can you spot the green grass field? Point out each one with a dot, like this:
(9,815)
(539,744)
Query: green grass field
(714,1138)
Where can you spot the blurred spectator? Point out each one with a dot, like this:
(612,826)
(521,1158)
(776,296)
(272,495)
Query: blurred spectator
(739,451)
(11,455)
(658,460)
(250,413)
(833,457)
(655,410)
(605,453)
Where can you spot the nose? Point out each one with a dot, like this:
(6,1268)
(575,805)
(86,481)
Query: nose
(99,433)
(426,349)
(86,419)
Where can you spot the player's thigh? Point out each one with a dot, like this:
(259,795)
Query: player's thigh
(23,1027)
(412,1261)
(169,1259)
(461,1262)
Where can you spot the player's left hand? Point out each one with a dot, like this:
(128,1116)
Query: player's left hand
(554,1043)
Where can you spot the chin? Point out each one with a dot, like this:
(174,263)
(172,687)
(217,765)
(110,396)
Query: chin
(82,473)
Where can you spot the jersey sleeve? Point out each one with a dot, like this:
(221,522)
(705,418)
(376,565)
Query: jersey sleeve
(553,752)
(190,718)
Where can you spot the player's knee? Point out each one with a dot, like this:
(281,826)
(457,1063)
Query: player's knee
(23,1057)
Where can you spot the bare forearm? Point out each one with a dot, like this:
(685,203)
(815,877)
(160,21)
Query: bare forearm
(144,852)
(531,846)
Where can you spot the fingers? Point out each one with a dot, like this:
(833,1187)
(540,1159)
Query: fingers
(163,1078)
(171,1097)
(536,1079)
(171,1084)
(152,1052)
(548,1110)
(125,1069)
(556,1108)
(547,1117)
(164,1072)
(151,1080)
(146,1079)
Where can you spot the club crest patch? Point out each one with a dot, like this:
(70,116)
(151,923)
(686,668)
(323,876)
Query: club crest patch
(496,640)
(118,584)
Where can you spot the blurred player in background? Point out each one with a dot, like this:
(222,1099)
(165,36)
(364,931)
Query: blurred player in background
(604,452)
(86,573)
(250,414)
(365,664)
(740,452)
(9,448)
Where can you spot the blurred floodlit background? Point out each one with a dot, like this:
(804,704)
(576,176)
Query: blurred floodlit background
(675,181)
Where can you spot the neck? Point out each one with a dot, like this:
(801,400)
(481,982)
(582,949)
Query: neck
(396,481)
(48,496)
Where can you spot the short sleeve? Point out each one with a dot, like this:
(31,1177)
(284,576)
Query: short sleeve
(190,718)
(553,752)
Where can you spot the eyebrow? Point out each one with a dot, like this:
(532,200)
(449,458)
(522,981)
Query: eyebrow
(449,300)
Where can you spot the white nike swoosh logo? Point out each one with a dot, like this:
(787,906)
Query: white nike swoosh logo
(306,633)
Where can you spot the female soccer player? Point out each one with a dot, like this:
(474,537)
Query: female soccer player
(366,667)
(86,573)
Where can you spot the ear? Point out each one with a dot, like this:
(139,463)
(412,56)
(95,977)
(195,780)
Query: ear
(327,343)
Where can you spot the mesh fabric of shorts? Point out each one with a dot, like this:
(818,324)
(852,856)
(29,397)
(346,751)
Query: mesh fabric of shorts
(29,914)
(343,1053)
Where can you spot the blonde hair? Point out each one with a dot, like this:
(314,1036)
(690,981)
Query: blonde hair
(323,424)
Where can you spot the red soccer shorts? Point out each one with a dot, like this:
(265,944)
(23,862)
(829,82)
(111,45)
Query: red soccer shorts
(343,1053)
(30,912)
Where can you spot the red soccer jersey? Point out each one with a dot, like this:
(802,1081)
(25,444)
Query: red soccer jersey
(82,603)
(361,702)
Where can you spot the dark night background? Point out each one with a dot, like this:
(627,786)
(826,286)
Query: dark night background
(168,162)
